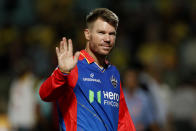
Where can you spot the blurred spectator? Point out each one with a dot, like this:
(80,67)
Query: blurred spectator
(183,106)
(187,59)
(138,102)
(157,57)
(4,123)
(160,93)
(43,112)
(22,104)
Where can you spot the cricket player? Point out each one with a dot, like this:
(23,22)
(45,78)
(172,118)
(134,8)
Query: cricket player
(85,86)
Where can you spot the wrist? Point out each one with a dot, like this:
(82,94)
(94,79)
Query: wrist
(64,71)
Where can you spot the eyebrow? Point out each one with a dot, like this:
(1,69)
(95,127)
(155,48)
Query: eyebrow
(101,30)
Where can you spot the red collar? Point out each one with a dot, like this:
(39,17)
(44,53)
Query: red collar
(89,58)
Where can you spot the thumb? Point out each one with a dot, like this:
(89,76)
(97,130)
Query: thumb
(76,56)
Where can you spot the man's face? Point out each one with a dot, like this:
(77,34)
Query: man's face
(102,37)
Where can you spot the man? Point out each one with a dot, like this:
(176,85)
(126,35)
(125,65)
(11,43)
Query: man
(138,102)
(85,86)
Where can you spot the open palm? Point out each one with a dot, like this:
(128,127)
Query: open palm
(66,60)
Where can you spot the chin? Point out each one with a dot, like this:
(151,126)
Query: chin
(105,53)
(102,52)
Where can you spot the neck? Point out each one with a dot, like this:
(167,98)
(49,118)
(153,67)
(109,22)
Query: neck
(99,59)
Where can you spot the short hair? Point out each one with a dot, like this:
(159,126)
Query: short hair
(103,13)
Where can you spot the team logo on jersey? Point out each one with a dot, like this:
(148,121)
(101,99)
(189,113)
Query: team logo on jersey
(113,81)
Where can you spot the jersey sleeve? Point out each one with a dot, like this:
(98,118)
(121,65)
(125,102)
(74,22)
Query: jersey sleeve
(54,86)
(125,122)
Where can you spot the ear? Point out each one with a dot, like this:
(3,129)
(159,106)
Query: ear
(87,34)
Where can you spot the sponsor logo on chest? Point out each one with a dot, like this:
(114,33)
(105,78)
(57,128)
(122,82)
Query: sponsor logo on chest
(104,97)
(92,79)
(109,98)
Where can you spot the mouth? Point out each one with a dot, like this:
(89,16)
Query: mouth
(106,47)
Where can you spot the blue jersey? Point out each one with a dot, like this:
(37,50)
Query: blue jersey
(88,98)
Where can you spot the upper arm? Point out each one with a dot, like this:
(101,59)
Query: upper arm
(125,122)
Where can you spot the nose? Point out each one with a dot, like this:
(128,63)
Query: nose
(107,38)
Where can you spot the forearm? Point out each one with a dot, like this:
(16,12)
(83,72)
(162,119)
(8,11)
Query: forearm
(54,86)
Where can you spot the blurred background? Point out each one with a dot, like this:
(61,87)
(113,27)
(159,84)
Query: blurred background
(155,54)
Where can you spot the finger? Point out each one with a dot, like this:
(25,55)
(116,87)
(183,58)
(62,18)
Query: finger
(70,47)
(76,56)
(57,51)
(61,47)
(65,43)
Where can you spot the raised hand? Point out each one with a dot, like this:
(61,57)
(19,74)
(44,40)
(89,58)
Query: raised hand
(66,60)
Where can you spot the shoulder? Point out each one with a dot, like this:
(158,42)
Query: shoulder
(114,71)
(113,68)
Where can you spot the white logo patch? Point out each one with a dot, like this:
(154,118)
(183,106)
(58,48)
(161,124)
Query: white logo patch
(91,75)
(92,79)
(113,81)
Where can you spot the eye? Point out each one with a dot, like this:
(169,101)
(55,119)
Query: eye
(112,33)
(101,32)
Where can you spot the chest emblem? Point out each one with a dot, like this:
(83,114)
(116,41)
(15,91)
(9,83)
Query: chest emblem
(113,81)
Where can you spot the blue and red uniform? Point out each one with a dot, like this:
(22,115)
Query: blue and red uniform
(88,98)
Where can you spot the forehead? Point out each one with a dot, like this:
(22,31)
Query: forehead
(100,24)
